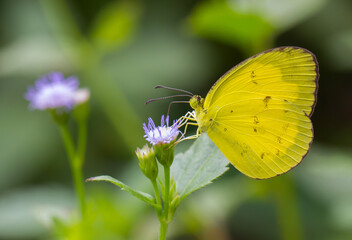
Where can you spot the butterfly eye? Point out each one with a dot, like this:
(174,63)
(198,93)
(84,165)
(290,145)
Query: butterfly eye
(194,102)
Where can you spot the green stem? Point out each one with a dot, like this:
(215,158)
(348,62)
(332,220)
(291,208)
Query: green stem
(157,196)
(82,141)
(163,229)
(164,219)
(167,192)
(79,185)
(288,209)
(68,142)
(76,166)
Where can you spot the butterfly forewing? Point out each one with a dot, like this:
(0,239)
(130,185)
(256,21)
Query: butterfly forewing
(289,73)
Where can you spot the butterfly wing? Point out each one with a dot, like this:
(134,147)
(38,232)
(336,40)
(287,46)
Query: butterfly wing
(258,111)
(289,73)
(261,137)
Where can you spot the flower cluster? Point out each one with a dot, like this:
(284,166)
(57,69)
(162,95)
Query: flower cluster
(163,134)
(53,91)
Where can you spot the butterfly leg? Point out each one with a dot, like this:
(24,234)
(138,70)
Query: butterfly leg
(182,138)
(188,119)
(188,138)
(190,116)
(189,124)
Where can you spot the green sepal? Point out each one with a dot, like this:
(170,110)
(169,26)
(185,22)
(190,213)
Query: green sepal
(173,205)
(81,112)
(165,153)
(145,197)
(59,115)
(174,199)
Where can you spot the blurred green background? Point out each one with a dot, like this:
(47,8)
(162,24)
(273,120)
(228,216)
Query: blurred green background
(121,50)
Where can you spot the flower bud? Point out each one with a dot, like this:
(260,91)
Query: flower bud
(147,162)
(81,111)
(81,96)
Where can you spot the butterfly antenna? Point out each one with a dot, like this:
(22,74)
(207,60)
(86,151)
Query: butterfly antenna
(174,89)
(162,98)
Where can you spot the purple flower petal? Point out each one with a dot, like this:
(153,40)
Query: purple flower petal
(53,91)
(162,134)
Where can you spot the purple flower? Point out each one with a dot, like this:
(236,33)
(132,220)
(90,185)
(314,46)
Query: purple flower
(163,134)
(53,91)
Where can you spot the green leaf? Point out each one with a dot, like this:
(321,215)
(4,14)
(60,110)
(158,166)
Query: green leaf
(220,21)
(280,14)
(250,25)
(198,166)
(138,194)
(115,24)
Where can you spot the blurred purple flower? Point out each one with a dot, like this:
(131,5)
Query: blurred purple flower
(53,91)
(163,134)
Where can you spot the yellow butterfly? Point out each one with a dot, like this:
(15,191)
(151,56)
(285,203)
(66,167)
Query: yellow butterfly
(258,113)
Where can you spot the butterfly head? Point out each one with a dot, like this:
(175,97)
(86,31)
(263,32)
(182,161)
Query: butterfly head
(196,102)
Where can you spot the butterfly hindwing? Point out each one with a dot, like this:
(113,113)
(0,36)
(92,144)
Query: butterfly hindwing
(261,136)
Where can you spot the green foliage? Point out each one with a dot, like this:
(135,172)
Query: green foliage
(198,166)
(220,21)
(249,25)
